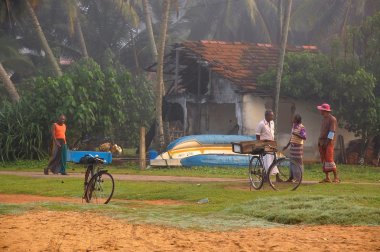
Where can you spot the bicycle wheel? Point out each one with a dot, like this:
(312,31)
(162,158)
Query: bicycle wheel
(100,188)
(256,173)
(285,174)
(88,175)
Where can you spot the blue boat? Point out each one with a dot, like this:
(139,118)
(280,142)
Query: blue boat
(217,160)
(208,139)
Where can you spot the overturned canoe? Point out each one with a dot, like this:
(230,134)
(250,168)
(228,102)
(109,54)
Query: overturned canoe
(207,139)
(217,160)
(197,145)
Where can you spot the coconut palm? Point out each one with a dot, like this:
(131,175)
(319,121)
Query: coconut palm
(320,21)
(281,57)
(160,72)
(41,36)
(149,28)
(13,61)
(8,84)
(247,20)
(75,25)
(105,27)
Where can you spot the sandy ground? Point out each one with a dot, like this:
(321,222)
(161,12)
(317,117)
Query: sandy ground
(72,231)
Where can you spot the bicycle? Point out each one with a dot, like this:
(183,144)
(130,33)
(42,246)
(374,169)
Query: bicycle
(99,185)
(283,173)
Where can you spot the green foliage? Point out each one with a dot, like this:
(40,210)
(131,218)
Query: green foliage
(20,135)
(348,87)
(364,42)
(96,102)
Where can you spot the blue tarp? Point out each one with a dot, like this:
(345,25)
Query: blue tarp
(75,156)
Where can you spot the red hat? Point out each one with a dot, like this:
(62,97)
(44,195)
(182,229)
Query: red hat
(325,107)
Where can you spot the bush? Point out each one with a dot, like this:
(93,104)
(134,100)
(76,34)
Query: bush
(20,136)
(96,102)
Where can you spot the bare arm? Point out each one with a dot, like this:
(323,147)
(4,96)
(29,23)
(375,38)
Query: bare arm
(296,134)
(53,136)
(286,146)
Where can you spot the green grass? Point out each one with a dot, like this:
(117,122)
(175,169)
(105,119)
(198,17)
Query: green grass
(351,173)
(231,205)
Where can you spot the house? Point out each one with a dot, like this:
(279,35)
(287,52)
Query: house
(212,89)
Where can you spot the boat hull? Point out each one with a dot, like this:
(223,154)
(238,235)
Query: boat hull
(202,146)
(217,160)
(208,139)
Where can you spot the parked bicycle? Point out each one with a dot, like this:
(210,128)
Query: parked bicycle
(98,183)
(282,174)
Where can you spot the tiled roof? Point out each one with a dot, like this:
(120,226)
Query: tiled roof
(239,62)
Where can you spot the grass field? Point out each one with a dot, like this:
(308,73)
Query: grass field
(348,173)
(354,202)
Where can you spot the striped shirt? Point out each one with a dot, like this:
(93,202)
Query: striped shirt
(298,129)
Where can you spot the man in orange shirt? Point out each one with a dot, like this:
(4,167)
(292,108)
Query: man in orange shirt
(57,162)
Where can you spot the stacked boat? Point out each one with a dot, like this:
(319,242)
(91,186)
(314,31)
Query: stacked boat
(203,150)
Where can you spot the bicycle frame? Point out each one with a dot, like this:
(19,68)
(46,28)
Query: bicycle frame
(261,156)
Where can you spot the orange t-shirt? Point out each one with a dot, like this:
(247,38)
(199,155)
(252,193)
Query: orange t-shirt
(60,131)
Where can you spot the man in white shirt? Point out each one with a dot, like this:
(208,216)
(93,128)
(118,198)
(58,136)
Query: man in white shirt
(265,131)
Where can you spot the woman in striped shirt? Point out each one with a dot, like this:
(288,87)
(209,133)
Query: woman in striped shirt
(296,141)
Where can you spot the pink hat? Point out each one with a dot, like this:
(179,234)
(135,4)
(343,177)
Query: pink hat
(325,107)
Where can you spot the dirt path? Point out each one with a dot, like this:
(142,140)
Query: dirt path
(72,231)
(127,177)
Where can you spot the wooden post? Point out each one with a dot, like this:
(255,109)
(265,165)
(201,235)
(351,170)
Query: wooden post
(198,129)
(142,149)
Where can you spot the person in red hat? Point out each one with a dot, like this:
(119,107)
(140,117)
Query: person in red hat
(326,143)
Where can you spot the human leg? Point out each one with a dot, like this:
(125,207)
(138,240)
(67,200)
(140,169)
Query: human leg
(55,160)
(336,178)
(296,155)
(322,153)
(63,159)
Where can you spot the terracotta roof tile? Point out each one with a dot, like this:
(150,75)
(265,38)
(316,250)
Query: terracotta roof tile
(240,62)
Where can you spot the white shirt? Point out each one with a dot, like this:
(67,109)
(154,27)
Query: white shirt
(265,130)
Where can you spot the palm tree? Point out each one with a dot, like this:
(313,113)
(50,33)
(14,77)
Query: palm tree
(160,72)
(75,25)
(12,60)
(229,20)
(323,20)
(8,84)
(44,43)
(280,65)
(149,28)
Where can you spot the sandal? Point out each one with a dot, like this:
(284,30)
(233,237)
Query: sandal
(336,181)
(325,181)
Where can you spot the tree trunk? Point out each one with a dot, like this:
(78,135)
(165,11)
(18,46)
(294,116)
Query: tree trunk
(135,52)
(160,74)
(149,29)
(280,21)
(280,65)
(45,46)
(82,43)
(8,84)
